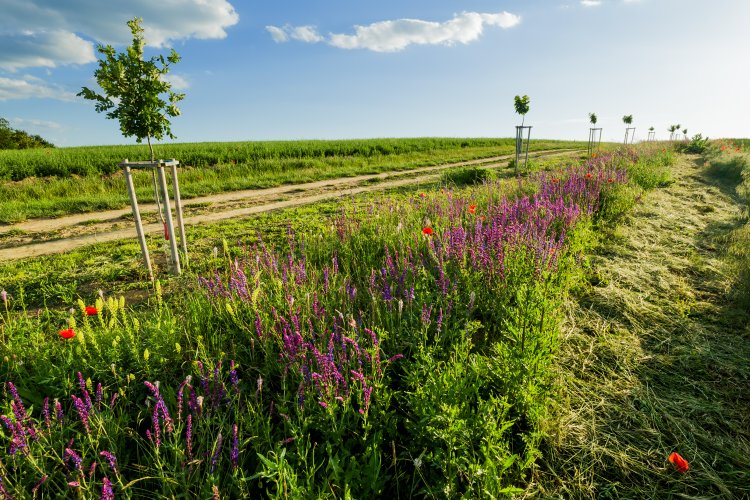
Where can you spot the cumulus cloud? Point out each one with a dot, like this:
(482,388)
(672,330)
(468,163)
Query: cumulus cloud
(396,35)
(49,33)
(307,34)
(178,82)
(591,3)
(43,49)
(43,124)
(29,87)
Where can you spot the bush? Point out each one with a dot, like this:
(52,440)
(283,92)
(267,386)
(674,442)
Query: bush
(468,176)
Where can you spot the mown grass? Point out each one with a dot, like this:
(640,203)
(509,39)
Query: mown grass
(654,352)
(54,182)
(268,329)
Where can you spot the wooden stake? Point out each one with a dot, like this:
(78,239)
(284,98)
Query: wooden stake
(168,218)
(178,209)
(137,217)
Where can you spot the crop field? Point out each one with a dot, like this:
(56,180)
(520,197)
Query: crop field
(461,337)
(55,182)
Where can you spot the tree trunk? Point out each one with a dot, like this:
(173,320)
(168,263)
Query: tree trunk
(150,147)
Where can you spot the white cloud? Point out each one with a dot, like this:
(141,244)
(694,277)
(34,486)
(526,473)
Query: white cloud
(49,33)
(43,49)
(24,122)
(307,34)
(278,34)
(29,87)
(591,3)
(178,82)
(396,35)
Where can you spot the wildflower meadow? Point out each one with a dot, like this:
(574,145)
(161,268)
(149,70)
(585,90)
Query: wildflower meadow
(403,348)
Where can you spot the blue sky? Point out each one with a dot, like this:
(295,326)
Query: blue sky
(314,69)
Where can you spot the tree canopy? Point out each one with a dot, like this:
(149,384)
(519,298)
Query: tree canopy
(135,91)
(11,138)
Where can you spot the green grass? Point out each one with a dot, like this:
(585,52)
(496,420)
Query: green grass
(654,353)
(54,182)
(463,413)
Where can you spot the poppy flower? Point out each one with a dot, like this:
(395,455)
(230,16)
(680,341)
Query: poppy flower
(472,208)
(427,230)
(610,180)
(422,195)
(680,463)
(588,175)
(67,334)
(555,180)
(91,311)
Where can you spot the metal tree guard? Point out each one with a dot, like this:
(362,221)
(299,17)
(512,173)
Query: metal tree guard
(594,140)
(651,135)
(159,166)
(519,145)
(629,135)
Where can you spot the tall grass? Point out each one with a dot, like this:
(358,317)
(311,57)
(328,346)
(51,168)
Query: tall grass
(53,182)
(404,350)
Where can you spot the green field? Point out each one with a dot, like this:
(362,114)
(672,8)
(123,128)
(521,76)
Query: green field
(484,335)
(54,182)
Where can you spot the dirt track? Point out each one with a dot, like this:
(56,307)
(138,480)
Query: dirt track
(96,227)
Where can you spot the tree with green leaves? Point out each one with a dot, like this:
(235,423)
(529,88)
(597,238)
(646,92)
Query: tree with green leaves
(627,119)
(593,118)
(684,132)
(135,91)
(522,105)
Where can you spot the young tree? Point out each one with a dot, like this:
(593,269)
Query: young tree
(627,119)
(135,90)
(592,118)
(684,132)
(522,106)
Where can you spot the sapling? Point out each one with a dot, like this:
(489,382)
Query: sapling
(522,107)
(135,91)
(628,120)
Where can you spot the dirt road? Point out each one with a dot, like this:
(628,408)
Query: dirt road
(73,231)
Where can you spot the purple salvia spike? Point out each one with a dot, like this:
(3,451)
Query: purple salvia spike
(216,454)
(111,459)
(235,453)
(189,435)
(45,412)
(74,458)
(107,493)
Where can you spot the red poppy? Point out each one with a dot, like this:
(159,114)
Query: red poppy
(680,463)
(67,334)
(610,180)
(422,195)
(427,230)
(472,208)
(588,175)
(555,181)
(91,311)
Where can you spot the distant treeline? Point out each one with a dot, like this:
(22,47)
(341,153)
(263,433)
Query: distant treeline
(102,160)
(19,139)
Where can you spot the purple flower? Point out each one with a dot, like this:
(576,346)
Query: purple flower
(36,486)
(189,435)
(235,453)
(82,410)
(107,493)
(45,412)
(111,459)
(217,453)
(73,458)
(59,412)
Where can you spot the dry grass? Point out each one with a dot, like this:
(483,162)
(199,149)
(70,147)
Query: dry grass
(655,357)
